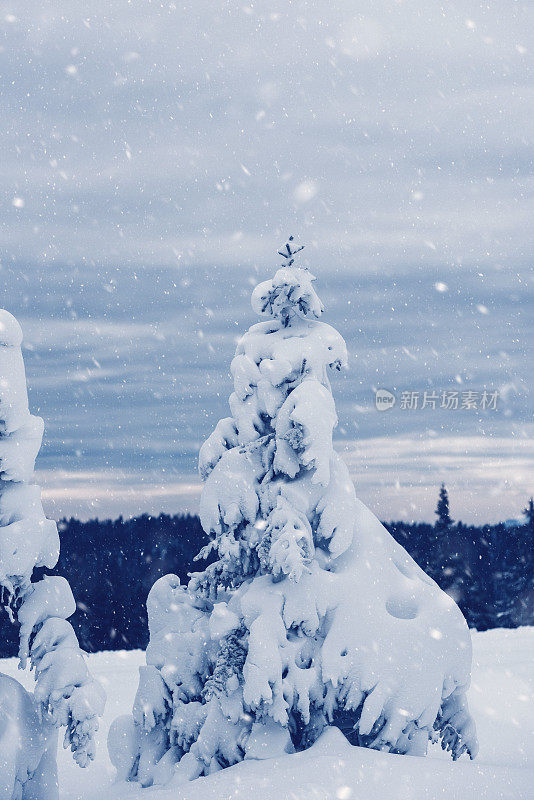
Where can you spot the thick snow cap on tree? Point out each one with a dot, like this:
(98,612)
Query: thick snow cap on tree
(290,293)
(310,613)
(65,692)
(27,538)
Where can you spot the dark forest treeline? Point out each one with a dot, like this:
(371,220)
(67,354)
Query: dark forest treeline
(489,571)
(111,566)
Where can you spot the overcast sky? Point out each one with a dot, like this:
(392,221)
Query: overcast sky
(155,155)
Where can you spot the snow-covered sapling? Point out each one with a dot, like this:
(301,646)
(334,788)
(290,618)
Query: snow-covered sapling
(310,614)
(65,692)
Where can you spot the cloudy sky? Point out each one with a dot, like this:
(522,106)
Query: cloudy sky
(155,155)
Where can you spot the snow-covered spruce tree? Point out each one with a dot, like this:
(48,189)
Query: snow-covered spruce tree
(65,693)
(311,614)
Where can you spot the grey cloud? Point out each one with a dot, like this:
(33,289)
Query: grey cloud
(161,154)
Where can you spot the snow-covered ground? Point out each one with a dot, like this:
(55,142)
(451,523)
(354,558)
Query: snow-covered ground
(501,700)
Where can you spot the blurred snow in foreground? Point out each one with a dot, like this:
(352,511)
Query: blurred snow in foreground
(501,699)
